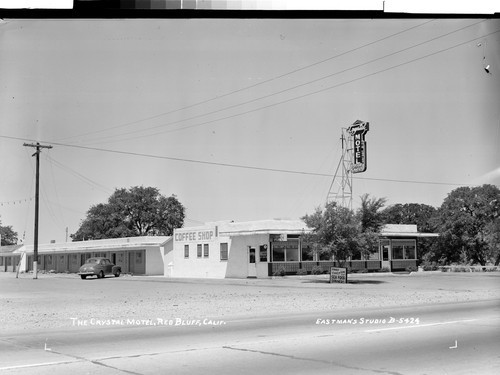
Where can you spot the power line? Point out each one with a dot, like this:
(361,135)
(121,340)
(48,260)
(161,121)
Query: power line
(288,89)
(238,165)
(287,100)
(87,180)
(252,86)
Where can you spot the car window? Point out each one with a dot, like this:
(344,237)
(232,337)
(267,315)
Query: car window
(103,262)
(92,261)
(108,261)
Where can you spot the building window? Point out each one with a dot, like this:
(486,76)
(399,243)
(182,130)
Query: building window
(307,253)
(410,252)
(251,255)
(278,252)
(384,247)
(223,251)
(285,251)
(403,249)
(198,250)
(325,256)
(263,253)
(397,251)
(292,254)
(205,250)
(186,251)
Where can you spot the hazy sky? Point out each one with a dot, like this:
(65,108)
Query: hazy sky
(266,93)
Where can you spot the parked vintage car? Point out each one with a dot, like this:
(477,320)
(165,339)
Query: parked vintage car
(99,267)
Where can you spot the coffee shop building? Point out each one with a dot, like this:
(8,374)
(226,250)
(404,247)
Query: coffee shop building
(260,249)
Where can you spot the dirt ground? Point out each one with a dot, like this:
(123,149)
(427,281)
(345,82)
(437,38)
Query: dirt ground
(57,301)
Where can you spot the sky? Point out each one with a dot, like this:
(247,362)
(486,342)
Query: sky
(241,118)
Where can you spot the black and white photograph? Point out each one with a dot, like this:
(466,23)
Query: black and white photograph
(249,187)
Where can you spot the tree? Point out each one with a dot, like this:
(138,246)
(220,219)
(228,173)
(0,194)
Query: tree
(336,232)
(467,222)
(411,213)
(492,238)
(138,211)
(8,236)
(369,213)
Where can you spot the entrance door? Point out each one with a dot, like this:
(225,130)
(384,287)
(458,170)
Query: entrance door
(137,262)
(252,268)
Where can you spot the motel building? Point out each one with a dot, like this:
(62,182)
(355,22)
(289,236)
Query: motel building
(253,249)
(136,255)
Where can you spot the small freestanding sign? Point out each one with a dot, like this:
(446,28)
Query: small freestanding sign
(338,275)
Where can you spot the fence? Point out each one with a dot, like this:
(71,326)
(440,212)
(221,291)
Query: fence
(291,268)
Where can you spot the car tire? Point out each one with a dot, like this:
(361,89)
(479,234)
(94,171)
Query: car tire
(117,273)
(83,277)
(100,275)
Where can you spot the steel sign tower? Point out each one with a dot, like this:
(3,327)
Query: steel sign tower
(352,160)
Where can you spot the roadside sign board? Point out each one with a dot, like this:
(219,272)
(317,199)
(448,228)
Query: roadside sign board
(338,275)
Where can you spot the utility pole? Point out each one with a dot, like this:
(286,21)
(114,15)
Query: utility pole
(38,146)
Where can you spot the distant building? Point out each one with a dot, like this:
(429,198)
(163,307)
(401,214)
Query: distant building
(9,258)
(398,246)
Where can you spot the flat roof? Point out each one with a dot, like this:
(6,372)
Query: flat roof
(404,230)
(272,226)
(110,243)
(8,249)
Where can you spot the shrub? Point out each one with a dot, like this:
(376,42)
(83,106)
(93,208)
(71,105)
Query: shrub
(411,269)
(430,266)
(301,271)
(316,270)
(280,272)
(384,269)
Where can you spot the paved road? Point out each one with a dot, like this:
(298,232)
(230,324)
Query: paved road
(459,338)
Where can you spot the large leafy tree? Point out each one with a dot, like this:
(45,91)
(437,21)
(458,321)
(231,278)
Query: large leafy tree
(336,232)
(492,238)
(371,220)
(467,222)
(369,213)
(138,211)
(8,236)
(414,213)
(411,213)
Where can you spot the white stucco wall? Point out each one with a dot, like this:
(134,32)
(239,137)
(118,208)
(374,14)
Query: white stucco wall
(204,267)
(238,259)
(154,261)
(237,265)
